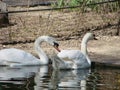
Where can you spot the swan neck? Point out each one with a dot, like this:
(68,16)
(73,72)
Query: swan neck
(84,49)
(43,57)
(84,46)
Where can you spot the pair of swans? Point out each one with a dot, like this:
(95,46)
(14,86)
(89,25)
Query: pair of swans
(78,59)
(74,59)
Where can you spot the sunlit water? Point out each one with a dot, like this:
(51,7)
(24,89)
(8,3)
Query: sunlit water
(44,78)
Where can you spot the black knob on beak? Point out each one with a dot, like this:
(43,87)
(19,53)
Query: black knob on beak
(56,44)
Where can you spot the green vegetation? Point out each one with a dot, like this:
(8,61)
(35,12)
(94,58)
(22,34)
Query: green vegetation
(88,5)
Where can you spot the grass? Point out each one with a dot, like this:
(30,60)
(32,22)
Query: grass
(85,5)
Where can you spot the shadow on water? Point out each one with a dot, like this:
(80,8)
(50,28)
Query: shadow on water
(44,78)
(105,61)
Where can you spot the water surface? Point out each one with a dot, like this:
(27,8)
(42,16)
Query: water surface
(44,78)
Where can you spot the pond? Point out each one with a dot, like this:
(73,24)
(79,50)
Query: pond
(44,78)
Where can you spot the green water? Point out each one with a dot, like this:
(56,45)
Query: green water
(44,78)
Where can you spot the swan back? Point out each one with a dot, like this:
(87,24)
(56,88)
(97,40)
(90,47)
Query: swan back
(77,58)
(14,56)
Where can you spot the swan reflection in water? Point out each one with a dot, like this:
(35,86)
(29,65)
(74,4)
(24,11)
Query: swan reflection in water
(42,77)
(69,79)
(21,78)
(49,79)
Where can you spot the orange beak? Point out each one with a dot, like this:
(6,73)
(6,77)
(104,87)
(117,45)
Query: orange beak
(56,46)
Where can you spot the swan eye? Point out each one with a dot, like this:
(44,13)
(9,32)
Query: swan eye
(94,37)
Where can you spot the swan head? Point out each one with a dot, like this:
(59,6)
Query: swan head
(52,41)
(89,36)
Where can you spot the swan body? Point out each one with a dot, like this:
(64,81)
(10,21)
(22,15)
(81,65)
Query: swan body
(74,59)
(17,57)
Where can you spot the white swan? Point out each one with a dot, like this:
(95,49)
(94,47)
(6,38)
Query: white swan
(74,59)
(15,57)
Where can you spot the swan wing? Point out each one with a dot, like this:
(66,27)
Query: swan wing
(76,57)
(70,59)
(71,55)
(59,63)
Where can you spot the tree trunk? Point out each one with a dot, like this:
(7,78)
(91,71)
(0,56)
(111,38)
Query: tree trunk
(4,16)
